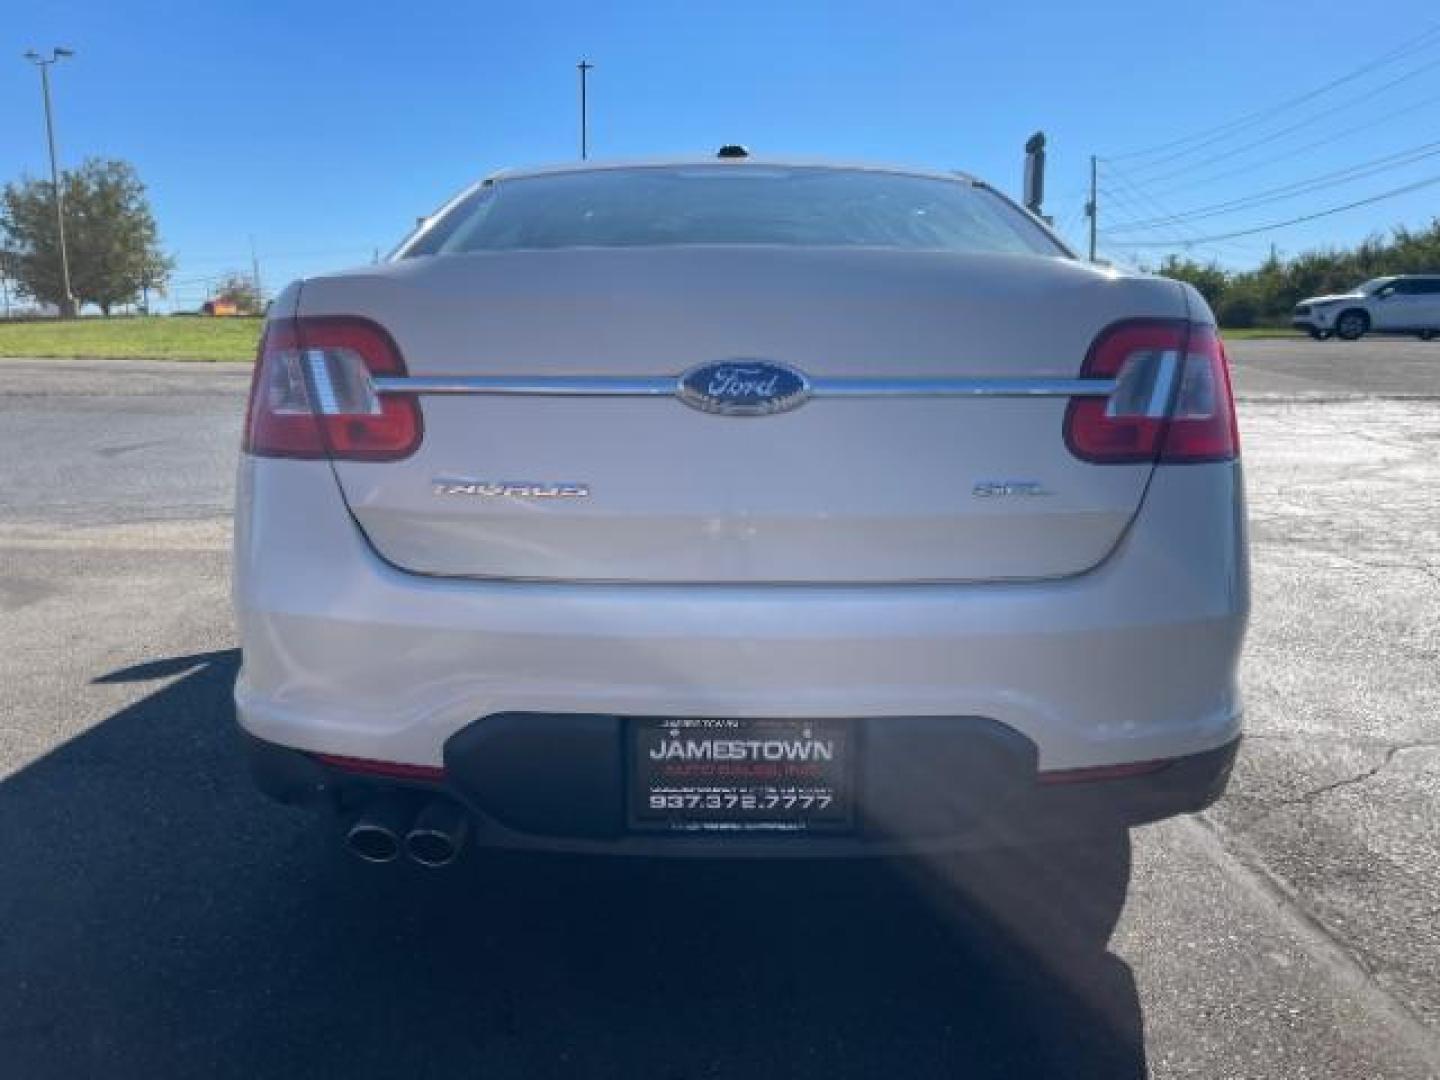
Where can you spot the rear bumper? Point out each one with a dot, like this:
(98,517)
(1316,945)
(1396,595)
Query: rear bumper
(924,787)
(1133,661)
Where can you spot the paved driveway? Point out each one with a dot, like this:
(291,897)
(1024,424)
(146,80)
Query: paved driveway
(158,918)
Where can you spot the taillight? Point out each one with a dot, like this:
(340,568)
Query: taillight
(1202,423)
(1172,401)
(313,394)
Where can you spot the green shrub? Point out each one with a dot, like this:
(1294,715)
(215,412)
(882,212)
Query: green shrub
(1266,295)
(1237,312)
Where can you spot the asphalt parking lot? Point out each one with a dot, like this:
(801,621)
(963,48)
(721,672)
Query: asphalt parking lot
(158,918)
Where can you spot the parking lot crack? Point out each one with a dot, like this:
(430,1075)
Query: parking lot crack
(1308,797)
(1312,795)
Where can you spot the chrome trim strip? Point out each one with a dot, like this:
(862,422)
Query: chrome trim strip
(528,386)
(920,387)
(608,386)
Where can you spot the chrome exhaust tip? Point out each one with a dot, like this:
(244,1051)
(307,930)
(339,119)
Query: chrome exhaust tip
(438,835)
(374,834)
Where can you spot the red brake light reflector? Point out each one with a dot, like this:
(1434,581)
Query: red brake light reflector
(395,770)
(1102,772)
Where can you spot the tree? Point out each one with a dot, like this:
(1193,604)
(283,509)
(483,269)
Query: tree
(1207,278)
(7,275)
(110,236)
(1268,293)
(239,289)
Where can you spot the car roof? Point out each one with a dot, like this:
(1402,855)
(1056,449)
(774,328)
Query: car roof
(695,160)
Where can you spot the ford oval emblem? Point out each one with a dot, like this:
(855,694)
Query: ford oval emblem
(743,388)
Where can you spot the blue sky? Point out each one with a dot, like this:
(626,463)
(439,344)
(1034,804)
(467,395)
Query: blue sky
(322,129)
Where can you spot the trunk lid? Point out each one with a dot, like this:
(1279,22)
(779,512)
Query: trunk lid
(841,489)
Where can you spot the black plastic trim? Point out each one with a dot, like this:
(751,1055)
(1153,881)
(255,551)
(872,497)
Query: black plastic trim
(921,779)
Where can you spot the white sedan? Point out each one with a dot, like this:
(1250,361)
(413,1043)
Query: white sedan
(726,506)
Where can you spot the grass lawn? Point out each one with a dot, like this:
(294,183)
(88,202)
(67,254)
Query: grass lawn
(197,338)
(1260,332)
(153,338)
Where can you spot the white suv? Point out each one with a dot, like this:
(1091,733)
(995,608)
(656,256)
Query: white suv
(729,507)
(1402,304)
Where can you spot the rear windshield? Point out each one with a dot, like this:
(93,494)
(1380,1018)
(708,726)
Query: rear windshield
(747,204)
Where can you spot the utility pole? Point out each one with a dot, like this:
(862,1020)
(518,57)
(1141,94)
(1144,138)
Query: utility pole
(67,301)
(1092,208)
(584,68)
(255,275)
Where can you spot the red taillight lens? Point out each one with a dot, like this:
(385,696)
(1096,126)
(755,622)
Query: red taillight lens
(278,421)
(313,394)
(1202,424)
(1172,401)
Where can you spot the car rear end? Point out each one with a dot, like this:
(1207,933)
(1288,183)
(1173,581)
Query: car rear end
(513,559)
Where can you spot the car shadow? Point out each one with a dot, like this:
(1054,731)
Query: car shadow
(158,918)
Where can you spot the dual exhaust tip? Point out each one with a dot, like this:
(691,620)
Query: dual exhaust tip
(389,826)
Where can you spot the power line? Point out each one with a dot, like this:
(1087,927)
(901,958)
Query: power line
(1132,201)
(1064,220)
(1064,223)
(1344,133)
(1219,131)
(1273,135)
(1192,240)
(1140,194)
(1347,175)
(1392,193)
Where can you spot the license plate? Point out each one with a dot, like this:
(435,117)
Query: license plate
(701,774)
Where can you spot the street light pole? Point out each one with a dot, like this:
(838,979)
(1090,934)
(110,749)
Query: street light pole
(584,68)
(67,301)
